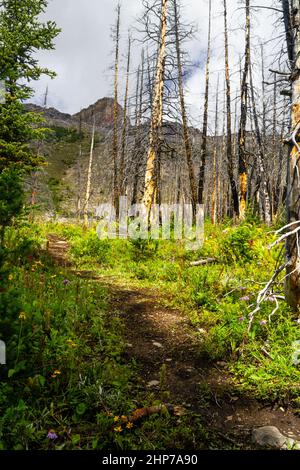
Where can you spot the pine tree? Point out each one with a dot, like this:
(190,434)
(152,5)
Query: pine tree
(22,34)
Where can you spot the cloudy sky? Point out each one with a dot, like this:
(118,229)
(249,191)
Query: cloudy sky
(83,56)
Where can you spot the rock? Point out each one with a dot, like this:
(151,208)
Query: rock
(202,331)
(153,383)
(157,345)
(269,436)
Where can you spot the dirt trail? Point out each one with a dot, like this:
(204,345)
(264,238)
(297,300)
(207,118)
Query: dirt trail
(161,338)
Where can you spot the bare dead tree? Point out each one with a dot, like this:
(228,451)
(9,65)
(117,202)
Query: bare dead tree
(230,161)
(243,120)
(115,149)
(157,113)
(186,132)
(89,179)
(125,123)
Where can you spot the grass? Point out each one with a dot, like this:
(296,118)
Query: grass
(67,372)
(217,298)
(66,375)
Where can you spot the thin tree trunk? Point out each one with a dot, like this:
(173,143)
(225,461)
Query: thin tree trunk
(203,151)
(89,180)
(79,188)
(230,164)
(122,182)
(293,206)
(186,133)
(266,206)
(137,142)
(116,188)
(215,163)
(157,114)
(243,121)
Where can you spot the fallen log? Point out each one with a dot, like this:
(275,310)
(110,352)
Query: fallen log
(202,262)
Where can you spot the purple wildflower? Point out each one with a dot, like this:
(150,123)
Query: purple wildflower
(66,282)
(263,322)
(246,298)
(52,435)
(242,319)
(270,298)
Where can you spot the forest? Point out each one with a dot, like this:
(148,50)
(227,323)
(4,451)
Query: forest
(149,241)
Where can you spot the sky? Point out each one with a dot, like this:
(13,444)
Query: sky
(83,54)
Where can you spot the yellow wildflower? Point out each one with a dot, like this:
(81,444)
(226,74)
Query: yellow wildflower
(56,373)
(124,418)
(22,316)
(116,418)
(71,343)
(129,425)
(118,429)
(10,277)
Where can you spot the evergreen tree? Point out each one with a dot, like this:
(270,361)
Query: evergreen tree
(22,34)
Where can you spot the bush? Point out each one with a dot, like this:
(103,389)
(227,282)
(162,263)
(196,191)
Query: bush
(238,246)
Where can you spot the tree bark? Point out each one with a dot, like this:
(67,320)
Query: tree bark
(203,151)
(122,180)
(230,163)
(157,114)
(89,180)
(116,192)
(243,121)
(186,133)
(293,206)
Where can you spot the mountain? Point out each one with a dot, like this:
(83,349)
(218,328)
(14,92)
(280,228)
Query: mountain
(102,111)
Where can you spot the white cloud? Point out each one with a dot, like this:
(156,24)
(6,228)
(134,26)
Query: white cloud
(84,50)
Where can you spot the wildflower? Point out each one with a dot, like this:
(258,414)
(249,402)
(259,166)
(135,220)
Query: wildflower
(22,316)
(263,322)
(118,429)
(52,435)
(10,277)
(116,418)
(56,373)
(124,418)
(71,343)
(242,319)
(270,298)
(246,298)
(129,425)
(66,282)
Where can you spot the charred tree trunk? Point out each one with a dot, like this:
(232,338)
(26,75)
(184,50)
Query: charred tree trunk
(230,162)
(122,181)
(293,197)
(203,151)
(157,114)
(265,198)
(243,121)
(186,133)
(116,191)
(138,139)
(215,162)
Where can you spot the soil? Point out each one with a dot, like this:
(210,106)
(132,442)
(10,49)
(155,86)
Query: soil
(162,338)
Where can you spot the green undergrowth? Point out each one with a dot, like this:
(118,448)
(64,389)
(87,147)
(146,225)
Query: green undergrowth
(67,383)
(218,298)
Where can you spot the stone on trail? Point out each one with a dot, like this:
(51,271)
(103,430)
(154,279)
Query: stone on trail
(269,436)
(153,383)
